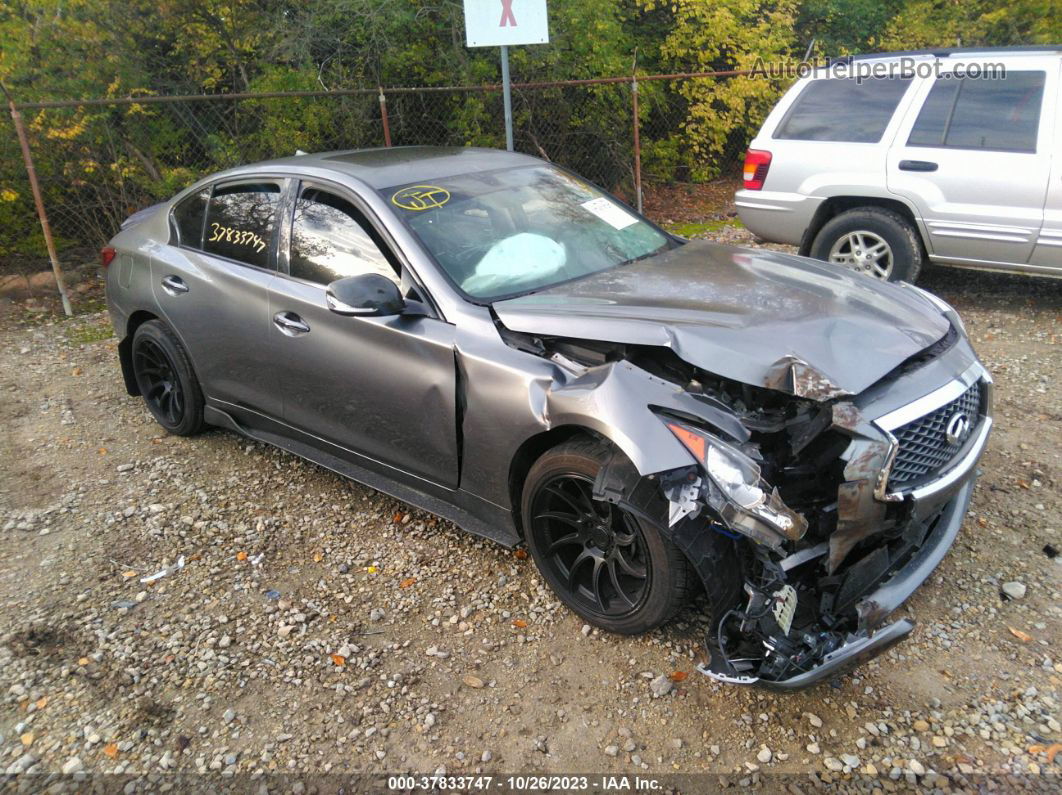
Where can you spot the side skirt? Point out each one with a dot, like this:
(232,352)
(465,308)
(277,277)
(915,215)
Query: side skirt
(467,511)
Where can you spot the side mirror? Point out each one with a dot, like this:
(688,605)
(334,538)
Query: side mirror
(367,295)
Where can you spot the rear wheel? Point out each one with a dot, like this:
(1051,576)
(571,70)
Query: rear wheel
(166,380)
(614,570)
(872,240)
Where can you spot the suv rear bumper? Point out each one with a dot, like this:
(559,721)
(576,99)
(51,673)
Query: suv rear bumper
(776,216)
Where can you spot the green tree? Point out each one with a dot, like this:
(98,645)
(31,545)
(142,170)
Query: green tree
(950,23)
(841,27)
(706,35)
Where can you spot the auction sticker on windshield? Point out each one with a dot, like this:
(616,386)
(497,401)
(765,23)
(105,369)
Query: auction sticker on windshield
(612,214)
(421,197)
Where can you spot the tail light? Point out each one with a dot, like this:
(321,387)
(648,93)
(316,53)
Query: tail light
(757,161)
(107,255)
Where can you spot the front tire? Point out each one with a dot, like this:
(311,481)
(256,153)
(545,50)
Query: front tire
(871,240)
(166,380)
(614,570)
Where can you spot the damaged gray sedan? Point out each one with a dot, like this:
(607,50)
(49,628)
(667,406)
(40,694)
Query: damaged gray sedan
(495,340)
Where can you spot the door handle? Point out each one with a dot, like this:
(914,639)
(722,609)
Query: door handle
(291,324)
(917,165)
(174,285)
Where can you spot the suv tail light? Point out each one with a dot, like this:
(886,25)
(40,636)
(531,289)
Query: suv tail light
(757,161)
(107,254)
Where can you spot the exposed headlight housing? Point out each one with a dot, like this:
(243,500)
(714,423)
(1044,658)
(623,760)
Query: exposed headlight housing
(737,491)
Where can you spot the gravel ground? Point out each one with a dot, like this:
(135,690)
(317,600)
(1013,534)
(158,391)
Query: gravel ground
(317,626)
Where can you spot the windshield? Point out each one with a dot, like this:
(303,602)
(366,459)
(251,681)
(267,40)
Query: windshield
(514,231)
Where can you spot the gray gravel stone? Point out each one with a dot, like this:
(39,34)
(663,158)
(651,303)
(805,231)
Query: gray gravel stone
(1014,589)
(660,686)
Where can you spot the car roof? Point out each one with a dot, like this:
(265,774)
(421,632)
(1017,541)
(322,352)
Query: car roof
(400,165)
(1018,51)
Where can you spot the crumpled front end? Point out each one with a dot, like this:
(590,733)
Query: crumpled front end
(812,529)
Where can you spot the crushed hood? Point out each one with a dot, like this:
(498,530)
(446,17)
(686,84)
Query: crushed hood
(760,317)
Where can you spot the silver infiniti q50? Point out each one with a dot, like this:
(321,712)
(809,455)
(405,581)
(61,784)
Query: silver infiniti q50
(497,341)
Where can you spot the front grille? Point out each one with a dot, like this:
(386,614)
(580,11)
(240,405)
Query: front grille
(923,445)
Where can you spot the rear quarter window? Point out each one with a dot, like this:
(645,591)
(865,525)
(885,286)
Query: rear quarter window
(240,222)
(843,109)
(187,221)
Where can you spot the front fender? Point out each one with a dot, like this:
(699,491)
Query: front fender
(617,400)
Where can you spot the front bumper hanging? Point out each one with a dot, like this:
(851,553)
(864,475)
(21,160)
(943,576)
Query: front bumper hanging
(870,638)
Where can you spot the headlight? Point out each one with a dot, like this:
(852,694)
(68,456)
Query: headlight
(735,474)
(741,497)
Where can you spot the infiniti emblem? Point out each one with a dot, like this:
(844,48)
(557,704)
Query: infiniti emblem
(957,428)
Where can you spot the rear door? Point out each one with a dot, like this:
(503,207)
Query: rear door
(1048,250)
(378,388)
(975,157)
(213,288)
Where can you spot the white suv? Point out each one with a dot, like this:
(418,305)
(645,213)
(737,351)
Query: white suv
(884,162)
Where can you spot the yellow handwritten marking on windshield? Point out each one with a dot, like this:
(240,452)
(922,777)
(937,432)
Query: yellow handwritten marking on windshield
(421,197)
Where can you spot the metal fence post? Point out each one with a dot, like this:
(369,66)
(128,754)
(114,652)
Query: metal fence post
(637,144)
(49,243)
(383,117)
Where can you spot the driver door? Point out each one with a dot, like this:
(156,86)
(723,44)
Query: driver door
(380,391)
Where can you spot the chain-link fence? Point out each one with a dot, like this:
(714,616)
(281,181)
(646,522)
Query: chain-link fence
(100,160)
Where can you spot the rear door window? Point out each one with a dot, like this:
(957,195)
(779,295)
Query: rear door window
(843,109)
(982,113)
(240,222)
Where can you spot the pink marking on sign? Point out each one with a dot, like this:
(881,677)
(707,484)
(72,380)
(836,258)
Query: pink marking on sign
(507,17)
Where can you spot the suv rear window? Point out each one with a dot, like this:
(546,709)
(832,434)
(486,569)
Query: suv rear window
(1001,115)
(240,222)
(842,109)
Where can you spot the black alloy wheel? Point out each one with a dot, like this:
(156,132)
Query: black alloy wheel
(166,380)
(596,551)
(157,378)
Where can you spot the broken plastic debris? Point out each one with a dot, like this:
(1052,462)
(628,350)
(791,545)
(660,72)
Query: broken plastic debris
(158,575)
(257,558)
(272,594)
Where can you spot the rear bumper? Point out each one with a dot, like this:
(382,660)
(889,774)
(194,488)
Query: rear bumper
(776,216)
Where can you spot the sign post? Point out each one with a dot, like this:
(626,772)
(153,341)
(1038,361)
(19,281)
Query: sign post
(507,97)
(499,23)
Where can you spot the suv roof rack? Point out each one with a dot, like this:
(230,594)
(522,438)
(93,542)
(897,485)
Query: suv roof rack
(946,52)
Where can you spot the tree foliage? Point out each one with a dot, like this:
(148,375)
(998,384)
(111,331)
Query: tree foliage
(973,23)
(705,35)
(114,158)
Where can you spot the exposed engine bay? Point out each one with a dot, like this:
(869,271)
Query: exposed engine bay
(786,516)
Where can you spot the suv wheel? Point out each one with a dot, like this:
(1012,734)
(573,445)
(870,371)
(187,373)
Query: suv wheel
(166,380)
(871,240)
(615,571)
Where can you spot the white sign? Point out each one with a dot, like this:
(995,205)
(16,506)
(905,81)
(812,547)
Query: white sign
(493,23)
